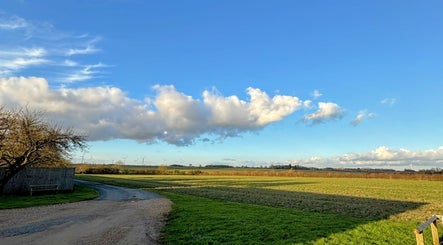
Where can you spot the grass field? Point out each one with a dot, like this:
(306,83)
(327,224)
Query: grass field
(80,193)
(289,210)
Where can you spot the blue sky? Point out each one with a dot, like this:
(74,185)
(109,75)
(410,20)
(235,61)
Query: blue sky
(317,83)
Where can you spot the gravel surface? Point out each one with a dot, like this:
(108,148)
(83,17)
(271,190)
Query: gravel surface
(119,216)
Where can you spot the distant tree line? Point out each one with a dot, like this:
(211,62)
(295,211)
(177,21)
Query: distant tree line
(274,170)
(218,166)
(119,169)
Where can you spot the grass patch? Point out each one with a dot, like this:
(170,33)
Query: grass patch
(288,210)
(80,193)
(197,220)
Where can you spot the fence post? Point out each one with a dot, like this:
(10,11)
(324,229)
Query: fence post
(434,230)
(419,231)
(419,237)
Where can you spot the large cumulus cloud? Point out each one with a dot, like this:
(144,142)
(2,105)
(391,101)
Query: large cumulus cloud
(106,112)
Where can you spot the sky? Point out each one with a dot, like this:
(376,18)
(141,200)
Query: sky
(354,84)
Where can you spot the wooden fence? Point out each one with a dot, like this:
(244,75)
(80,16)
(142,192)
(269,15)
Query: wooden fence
(22,182)
(432,222)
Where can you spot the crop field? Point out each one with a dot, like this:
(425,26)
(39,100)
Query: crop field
(289,210)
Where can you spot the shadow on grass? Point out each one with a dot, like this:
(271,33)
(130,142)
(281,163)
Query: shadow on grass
(250,192)
(277,217)
(247,214)
(359,207)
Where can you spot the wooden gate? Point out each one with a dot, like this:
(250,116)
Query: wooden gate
(432,222)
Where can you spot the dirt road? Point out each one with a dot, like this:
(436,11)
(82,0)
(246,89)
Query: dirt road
(118,216)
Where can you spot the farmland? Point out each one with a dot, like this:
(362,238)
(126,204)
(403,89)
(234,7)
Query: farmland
(289,210)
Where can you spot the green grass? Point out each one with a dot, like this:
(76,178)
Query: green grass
(80,193)
(288,210)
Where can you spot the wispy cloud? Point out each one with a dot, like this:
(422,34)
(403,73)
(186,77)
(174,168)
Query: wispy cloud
(23,52)
(307,104)
(87,50)
(12,23)
(35,52)
(361,116)
(316,94)
(38,47)
(8,67)
(326,111)
(12,61)
(85,73)
(70,63)
(389,101)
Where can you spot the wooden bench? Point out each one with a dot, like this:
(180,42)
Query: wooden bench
(41,188)
(430,222)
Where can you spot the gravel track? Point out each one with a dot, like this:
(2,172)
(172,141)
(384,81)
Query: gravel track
(119,216)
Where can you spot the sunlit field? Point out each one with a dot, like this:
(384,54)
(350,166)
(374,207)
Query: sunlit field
(289,210)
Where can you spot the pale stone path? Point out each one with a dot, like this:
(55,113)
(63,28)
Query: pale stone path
(119,216)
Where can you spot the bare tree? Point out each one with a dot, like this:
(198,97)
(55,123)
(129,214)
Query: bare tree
(26,139)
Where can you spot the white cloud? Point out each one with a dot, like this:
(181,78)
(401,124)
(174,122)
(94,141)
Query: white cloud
(260,111)
(88,47)
(35,52)
(264,110)
(383,153)
(362,115)
(358,119)
(12,23)
(87,72)
(386,156)
(326,111)
(107,113)
(316,94)
(389,101)
(381,157)
(70,63)
(39,48)
(23,52)
(9,66)
(227,110)
(15,60)
(87,50)
(307,104)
